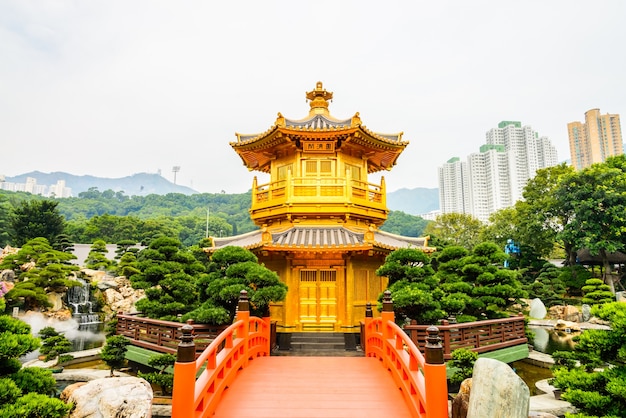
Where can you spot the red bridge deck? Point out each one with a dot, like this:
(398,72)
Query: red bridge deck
(324,387)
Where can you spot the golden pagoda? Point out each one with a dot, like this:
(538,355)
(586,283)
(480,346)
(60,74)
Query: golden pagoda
(319,215)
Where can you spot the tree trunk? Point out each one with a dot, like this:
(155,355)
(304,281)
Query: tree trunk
(607,275)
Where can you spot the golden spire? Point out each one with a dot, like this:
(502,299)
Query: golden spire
(319,99)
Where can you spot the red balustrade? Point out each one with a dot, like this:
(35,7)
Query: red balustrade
(199,383)
(421,378)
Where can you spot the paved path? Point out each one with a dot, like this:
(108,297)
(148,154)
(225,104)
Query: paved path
(311,387)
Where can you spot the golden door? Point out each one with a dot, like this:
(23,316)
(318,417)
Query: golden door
(318,298)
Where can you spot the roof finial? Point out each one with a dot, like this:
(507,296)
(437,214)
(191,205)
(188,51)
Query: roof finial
(319,99)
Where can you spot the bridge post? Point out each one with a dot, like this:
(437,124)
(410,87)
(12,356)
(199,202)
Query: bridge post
(184,375)
(243,314)
(387,315)
(369,317)
(435,375)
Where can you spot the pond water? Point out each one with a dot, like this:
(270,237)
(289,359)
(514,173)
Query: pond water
(531,374)
(82,336)
(548,340)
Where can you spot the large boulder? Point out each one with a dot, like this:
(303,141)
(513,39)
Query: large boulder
(537,309)
(497,391)
(120,397)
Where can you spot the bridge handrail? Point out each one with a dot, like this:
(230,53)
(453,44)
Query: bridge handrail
(479,336)
(422,379)
(199,383)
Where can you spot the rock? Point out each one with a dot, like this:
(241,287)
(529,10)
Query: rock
(620,296)
(120,397)
(571,313)
(497,391)
(7,276)
(537,309)
(56,300)
(541,415)
(460,402)
(586,312)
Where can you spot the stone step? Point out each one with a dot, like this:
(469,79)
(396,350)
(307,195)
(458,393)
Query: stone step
(317,341)
(311,346)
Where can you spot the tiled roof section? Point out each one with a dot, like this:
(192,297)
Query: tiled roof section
(318,122)
(389,137)
(317,237)
(248,240)
(392,241)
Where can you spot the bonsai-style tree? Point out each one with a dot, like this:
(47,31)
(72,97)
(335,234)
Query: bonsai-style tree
(596,292)
(97,259)
(413,287)
(161,378)
(168,273)
(39,269)
(462,363)
(114,352)
(24,391)
(53,344)
(548,286)
(231,270)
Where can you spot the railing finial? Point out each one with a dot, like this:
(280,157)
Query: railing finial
(244,302)
(387,301)
(368,310)
(186,351)
(433,349)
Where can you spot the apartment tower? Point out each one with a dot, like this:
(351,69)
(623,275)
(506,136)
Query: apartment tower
(595,140)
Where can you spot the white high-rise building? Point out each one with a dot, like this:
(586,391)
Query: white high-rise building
(495,177)
(453,196)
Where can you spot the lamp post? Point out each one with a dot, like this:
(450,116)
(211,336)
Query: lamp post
(207,222)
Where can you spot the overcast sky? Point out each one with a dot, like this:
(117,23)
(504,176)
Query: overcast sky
(112,88)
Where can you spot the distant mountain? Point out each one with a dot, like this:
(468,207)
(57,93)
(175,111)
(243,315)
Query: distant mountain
(416,201)
(140,184)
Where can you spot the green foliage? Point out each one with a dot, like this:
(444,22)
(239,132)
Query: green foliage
(574,278)
(97,257)
(33,405)
(597,197)
(15,342)
(168,273)
(114,352)
(36,218)
(401,223)
(457,229)
(231,270)
(592,390)
(541,215)
(413,286)
(50,271)
(475,282)
(9,391)
(463,362)
(53,343)
(548,286)
(596,292)
(161,378)
(35,379)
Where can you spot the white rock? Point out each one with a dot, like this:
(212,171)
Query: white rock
(497,391)
(120,397)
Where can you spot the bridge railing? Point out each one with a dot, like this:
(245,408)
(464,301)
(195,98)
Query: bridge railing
(163,336)
(199,383)
(479,336)
(421,378)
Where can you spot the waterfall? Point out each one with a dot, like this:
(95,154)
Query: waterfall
(78,299)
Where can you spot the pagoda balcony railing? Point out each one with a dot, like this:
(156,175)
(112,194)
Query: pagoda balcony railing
(318,190)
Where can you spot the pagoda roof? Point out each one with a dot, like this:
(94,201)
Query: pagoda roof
(309,238)
(257,150)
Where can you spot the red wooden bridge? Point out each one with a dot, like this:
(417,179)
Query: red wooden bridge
(235,376)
